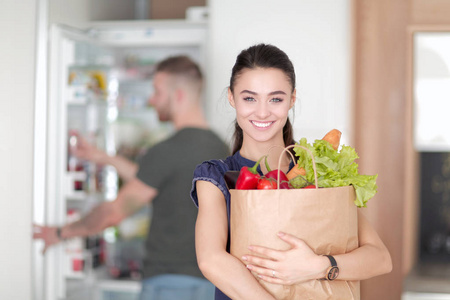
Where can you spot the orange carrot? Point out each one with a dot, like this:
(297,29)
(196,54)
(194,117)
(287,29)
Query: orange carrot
(333,137)
(295,171)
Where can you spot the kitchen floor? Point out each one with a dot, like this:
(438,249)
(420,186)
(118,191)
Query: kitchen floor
(428,281)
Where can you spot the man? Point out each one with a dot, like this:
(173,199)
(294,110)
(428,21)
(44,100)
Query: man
(162,177)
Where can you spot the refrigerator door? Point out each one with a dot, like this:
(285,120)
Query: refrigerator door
(99,80)
(52,283)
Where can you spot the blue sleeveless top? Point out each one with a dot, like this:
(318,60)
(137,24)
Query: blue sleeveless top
(213,171)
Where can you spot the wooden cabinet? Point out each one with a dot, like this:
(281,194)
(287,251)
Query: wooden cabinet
(382,97)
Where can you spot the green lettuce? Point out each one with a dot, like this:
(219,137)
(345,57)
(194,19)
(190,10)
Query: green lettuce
(336,168)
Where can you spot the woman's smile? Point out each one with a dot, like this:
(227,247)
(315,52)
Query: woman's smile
(262,125)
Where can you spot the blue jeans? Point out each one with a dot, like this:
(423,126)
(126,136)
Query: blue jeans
(176,287)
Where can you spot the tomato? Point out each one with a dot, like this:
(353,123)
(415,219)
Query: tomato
(311,186)
(266,184)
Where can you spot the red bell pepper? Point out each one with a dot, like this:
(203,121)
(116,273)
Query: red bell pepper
(285,185)
(248,177)
(284,181)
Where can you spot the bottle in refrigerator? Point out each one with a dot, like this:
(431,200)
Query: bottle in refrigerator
(74,164)
(74,249)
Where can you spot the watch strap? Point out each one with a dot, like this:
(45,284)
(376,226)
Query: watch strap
(332,260)
(58,233)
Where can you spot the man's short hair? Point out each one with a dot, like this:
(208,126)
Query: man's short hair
(180,65)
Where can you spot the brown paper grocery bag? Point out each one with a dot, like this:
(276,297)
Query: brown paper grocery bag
(325,218)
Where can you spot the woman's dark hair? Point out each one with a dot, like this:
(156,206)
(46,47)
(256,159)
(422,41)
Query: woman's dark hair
(262,56)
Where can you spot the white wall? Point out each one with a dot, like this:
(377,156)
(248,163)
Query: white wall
(17,67)
(316,36)
(75,13)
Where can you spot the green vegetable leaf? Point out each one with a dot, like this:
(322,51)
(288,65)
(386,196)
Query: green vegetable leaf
(299,182)
(335,169)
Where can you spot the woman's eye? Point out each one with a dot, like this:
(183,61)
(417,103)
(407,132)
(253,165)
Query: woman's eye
(276,100)
(249,99)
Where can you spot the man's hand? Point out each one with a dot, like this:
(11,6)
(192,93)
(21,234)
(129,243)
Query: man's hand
(47,234)
(126,168)
(86,151)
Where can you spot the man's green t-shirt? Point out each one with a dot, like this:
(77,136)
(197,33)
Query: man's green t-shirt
(168,167)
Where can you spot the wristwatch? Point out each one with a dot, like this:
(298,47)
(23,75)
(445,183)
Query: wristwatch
(333,270)
(58,233)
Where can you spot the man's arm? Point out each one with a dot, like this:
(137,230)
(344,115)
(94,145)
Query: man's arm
(126,169)
(132,196)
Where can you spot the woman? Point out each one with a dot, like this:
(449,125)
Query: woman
(262,91)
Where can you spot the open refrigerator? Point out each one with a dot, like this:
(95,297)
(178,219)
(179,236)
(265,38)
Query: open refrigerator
(100,79)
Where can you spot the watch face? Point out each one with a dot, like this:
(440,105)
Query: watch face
(333,273)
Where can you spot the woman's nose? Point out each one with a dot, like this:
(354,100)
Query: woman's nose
(262,110)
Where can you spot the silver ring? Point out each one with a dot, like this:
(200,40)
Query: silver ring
(273,273)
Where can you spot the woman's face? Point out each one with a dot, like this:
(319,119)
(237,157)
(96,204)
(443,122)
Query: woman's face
(262,99)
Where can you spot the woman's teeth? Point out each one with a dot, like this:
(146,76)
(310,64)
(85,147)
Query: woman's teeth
(262,125)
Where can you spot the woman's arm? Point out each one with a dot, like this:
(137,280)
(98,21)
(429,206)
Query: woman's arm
(211,233)
(300,263)
(369,260)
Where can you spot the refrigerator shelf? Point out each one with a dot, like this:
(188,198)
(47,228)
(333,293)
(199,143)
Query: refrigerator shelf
(78,196)
(82,196)
(77,101)
(85,100)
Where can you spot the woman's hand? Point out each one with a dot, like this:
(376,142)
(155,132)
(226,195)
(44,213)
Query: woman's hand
(287,267)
